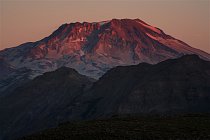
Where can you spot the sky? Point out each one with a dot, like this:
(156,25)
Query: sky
(31,20)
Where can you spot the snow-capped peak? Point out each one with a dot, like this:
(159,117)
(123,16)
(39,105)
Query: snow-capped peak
(92,48)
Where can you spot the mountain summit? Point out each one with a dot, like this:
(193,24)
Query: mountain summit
(93,48)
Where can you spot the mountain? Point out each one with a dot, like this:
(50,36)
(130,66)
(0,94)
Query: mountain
(29,102)
(11,78)
(170,87)
(17,77)
(41,103)
(93,48)
(174,86)
(6,68)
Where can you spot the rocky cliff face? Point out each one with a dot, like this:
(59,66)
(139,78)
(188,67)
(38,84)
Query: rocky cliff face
(94,48)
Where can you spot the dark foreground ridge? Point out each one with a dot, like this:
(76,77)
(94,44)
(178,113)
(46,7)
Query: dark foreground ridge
(188,127)
(172,87)
(169,87)
(41,103)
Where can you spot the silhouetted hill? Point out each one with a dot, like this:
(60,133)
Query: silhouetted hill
(42,102)
(173,86)
(185,127)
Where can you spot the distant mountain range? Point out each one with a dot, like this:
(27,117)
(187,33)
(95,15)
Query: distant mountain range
(174,86)
(93,48)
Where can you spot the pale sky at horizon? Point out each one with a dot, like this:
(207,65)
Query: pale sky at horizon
(31,20)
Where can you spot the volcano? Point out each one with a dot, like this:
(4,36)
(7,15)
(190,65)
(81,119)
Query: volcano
(93,48)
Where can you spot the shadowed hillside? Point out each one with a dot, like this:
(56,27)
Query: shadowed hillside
(188,127)
(172,87)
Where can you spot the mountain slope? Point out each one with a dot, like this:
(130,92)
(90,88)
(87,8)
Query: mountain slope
(41,103)
(6,69)
(14,79)
(174,86)
(94,48)
(170,87)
